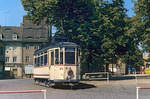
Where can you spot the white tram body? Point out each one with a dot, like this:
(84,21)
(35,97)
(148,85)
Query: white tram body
(57,63)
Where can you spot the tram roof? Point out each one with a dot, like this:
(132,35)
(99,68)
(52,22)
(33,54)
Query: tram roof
(55,45)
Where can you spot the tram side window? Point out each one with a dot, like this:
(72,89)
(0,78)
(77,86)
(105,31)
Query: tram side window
(69,55)
(35,61)
(38,61)
(61,57)
(56,57)
(41,60)
(77,55)
(45,59)
(52,58)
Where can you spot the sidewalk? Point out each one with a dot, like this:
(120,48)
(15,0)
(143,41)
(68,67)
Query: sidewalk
(123,80)
(139,75)
(130,76)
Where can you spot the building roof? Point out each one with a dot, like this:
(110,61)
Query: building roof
(7,33)
(27,32)
(55,45)
(34,33)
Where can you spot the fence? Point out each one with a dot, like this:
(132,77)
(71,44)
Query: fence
(25,91)
(97,76)
(137,91)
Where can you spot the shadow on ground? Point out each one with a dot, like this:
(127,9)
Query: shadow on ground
(114,77)
(75,87)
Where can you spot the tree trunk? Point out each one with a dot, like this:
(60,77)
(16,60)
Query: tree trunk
(89,60)
(107,67)
(50,32)
(126,69)
(112,68)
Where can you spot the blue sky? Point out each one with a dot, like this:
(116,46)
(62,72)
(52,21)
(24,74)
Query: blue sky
(11,12)
(129,6)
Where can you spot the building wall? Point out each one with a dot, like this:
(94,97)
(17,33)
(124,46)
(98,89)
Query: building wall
(13,59)
(13,50)
(28,59)
(28,51)
(34,33)
(16,40)
(33,36)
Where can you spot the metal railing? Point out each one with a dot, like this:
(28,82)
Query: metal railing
(137,91)
(97,76)
(25,91)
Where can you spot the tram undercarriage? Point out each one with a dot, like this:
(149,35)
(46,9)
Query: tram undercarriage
(51,83)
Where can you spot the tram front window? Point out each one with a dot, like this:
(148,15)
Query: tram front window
(69,55)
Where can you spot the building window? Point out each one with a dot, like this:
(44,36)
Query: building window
(36,47)
(27,46)
(14,47)
(14,36)
(27,58)
(1,36)
(7,59)
(14,59)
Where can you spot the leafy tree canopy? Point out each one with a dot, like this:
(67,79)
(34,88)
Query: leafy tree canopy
(101,28)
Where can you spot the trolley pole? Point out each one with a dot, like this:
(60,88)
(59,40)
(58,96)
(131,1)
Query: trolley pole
(107,77)
(137,92)
(25,91)
(135,78)
(44,91)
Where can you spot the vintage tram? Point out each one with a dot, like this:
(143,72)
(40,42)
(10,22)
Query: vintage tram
(57,63)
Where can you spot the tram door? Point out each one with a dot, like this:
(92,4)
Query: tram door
(58,68)
(70,61)
(64,63)
(51,64)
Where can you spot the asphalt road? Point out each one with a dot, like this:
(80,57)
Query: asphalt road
(120,90)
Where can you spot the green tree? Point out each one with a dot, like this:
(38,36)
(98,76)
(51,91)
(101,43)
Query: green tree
(113,30)
(74,19)
(135,37)
(142,10)
(99,27)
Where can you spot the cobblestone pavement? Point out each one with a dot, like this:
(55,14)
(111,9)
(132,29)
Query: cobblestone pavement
(125,89)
